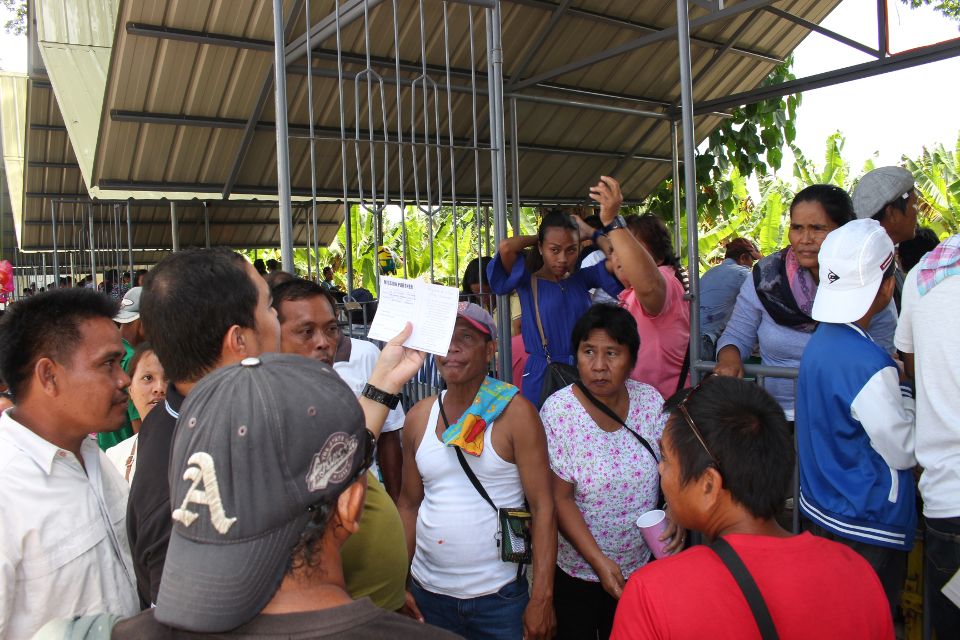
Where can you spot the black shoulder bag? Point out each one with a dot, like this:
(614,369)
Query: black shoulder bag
(748,586)
(613,416)
(514,537)
(558,374)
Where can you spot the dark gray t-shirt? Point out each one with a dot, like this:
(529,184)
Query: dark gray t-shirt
(361,620)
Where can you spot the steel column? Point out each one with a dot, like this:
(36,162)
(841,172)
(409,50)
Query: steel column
(174,228)
(56,258)
(499,178)
(93,248)
(206,226)
(675,157)
(133,281)
(283,151)
(690,179)
(515,167)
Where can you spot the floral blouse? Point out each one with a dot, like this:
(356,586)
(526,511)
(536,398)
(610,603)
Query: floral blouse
(615,478)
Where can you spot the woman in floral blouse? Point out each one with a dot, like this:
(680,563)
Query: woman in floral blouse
(605,471)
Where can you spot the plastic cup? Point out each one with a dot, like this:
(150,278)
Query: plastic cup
(652,524)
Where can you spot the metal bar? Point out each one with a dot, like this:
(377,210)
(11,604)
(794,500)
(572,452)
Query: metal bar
(48,127)
(883,42)
(541,38)
(36,164)
(689,175)
(311,231)
(174,228)
(906,60)
(675,166)
(197,37)
(93,247)
(130,245)
(343,15)
(261,103)
(514,167)
(56,260)
(715,58)
(283,151)
(497,152)
(465,88)
(206,226)
(833,35)
(347,218)
(643,41)
(644,28)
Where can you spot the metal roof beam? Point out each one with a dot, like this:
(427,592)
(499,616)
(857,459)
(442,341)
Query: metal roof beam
(197,37)
(912,58)
(833,35)
(37,164)
(594,16)
(364,136)
(334,195)
(264,95)
(165,224)
(643,41)
(48,127)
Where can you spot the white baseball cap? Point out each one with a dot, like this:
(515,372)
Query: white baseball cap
(853,259)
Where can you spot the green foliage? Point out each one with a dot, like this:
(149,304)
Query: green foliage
(937,172)
(17,24)
(949,8)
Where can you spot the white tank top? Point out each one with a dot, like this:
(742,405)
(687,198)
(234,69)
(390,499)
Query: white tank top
(457,553)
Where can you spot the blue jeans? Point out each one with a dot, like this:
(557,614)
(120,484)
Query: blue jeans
(498,616)
(941,546)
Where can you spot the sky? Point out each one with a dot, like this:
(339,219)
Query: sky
(883,117)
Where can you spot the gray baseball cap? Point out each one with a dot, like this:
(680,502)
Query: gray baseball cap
(129,306)
(258,446)
(878,187)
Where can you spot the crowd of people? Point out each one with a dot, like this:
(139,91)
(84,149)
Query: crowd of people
(213,453)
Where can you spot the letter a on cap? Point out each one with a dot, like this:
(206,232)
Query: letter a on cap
(202,469)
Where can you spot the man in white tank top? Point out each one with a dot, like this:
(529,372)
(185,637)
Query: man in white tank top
(458,580)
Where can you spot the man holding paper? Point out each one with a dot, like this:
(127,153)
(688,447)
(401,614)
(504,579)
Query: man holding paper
(475,460)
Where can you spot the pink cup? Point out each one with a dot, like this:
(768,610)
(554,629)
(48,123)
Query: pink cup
(652,524)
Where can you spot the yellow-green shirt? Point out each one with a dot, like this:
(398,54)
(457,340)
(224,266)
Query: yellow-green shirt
(375,557)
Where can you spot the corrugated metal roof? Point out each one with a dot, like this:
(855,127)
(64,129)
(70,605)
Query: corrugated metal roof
(562,148)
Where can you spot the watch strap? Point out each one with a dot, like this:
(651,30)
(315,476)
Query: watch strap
(389,400)
(618,223)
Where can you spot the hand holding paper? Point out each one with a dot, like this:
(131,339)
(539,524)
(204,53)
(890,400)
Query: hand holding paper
(430,308)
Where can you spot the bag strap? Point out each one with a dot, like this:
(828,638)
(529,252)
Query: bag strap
(463,462)
(643,441)
(536,313)
(613,416)
(748,586)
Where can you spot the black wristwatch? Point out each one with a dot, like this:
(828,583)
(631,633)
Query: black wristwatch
(389,400)
(618,223)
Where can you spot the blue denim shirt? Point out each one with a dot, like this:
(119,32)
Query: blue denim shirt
(718,292)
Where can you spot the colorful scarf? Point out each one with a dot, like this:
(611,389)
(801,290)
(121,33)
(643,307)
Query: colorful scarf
(491,400)
(786,290)
(939,264)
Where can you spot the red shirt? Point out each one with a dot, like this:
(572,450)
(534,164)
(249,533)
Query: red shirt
(814,588)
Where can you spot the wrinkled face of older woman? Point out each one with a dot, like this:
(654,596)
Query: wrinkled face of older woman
(604,363)
(809,225)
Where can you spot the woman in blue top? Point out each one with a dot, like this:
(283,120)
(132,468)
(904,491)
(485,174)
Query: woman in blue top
(562,296)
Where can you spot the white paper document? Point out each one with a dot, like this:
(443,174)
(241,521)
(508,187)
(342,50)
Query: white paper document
(430,308)
(952,589)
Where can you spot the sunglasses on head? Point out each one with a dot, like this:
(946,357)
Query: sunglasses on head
(682,409)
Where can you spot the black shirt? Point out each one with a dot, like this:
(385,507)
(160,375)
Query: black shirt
(148,508)
(361,620)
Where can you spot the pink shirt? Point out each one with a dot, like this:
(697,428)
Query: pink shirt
(664,338)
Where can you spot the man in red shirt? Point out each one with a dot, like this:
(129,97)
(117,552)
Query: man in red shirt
(727,460)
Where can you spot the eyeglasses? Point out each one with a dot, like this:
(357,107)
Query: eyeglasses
(682,408)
